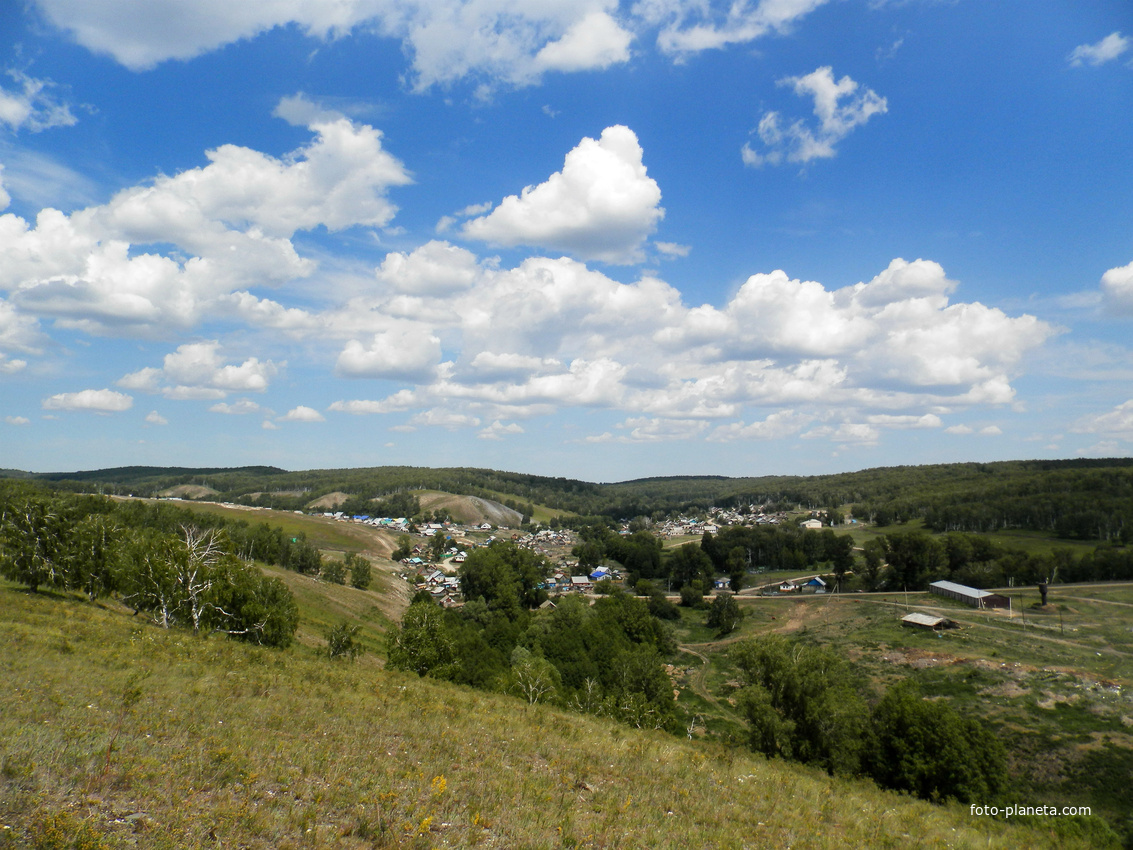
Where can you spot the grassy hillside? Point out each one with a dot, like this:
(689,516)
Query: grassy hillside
(114,733)
(326,534)
(1057,688)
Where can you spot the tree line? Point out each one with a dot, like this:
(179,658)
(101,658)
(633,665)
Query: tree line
(804,703)
(158,561)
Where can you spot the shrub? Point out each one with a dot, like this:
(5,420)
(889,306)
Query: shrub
(341,642)
(334,571)
(692,596)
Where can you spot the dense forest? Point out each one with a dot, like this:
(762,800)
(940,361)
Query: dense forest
(1074,499)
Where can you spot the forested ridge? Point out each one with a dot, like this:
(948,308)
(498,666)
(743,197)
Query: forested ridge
(1085,499)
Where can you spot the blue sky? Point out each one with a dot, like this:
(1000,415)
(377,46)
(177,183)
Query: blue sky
(592,239)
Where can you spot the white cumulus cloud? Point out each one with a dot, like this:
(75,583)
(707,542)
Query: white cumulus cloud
(242,407)
(593,42)
(1117,289)
(713,24)
(402,352)
(197,370)
(302,413)
(890,353)
(498,430)
(231,223)
(98,401)
(446,40)
(601,206)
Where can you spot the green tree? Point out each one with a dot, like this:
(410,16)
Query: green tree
(840,551)
(930,750)
(724,614)
(589,553)
(915,559)
(692,596)
(736,565)
(531,677)
(361,575)
(661,608)
(423,644)
(404,548)
(92,555)
(33,548)
(333,571)
(437,544)
(505,576)
(873,553)
(254,607)
(801,704)
(689,564)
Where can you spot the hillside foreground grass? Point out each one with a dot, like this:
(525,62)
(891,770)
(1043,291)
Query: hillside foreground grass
(115,733)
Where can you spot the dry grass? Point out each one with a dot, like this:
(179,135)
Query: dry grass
(114,733)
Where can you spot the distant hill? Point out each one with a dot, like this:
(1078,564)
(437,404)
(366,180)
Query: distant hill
(145,474)
(1084,499)
(471,509)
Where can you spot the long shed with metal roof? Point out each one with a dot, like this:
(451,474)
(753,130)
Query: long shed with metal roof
(969,595)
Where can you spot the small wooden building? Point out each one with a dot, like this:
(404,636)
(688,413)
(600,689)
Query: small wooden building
(928,621)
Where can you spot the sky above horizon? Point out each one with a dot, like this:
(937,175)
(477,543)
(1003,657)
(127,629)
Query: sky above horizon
(585,238)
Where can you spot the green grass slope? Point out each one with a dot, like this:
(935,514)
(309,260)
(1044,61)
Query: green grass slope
(114,733)
(1055,686)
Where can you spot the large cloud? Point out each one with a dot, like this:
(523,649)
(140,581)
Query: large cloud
(457,340)
(508,40)
(230,221)
(339,180)
(401,352)
(888,353)
(601,206)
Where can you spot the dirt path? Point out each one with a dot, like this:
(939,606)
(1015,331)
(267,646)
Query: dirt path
(697,680)
(1093,599)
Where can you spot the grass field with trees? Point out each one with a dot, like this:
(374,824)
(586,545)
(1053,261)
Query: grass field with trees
(1028,707)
